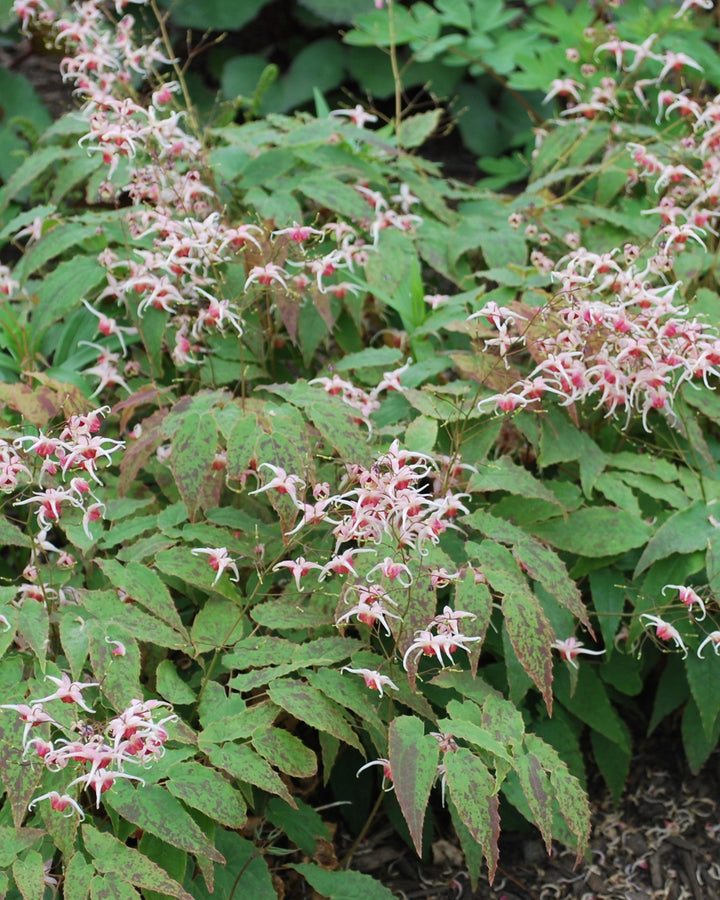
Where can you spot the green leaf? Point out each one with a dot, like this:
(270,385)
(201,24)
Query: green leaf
(119,676)
(683,532)
(14,841)
(416,129)
(339,12)
(29,875)
(393,275)
(698,746)
(703,676)
(613,762)
(63,289)
(10,535)
(207,790)
(473,792)
(60,238)
(116,888)
(78,875)
(29,171)
(213,14)
(171,686)
(219,623)
(334,194)
(155,810)
(463,725)
(334,419)
(591,705)
(285,751)
(302,825)
(243,763)
(311,706)
(143,586)
(245,874)
(193,450)
(342,885)
(111,855)
(528,628)
(413,759)
(595,531)
(33,624)
(503,474)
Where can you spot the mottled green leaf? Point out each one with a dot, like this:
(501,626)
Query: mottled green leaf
(537,789)
(108,608)
(78,875)
(473,792)
(14,841)
(311,706)
(566,789)
(143,586)
(114,888)
(416,129)
(10,535)
(285,751)
(207,790)
(181,563)
(119,676)
(245,764)
(20,781)
(155,810)
(193,449)
(29,875)
(334,419)
(33,625)
(219,623)
(413,762)
(112,856)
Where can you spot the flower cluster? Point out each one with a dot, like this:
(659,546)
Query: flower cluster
(100,753)
(68,461)
(181,242)
(617,333)
(405,500)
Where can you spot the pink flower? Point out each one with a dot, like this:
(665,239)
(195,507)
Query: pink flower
(689,597)
(665,631)
(68,691)
(219,561)
(714,640)
(571,648)
(374,680)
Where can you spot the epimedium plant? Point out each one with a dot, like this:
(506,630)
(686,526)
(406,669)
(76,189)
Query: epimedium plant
(365,469)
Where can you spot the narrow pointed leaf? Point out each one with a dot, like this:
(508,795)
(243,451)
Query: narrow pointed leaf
(413,762)
(206,790)
(472,789)
(567,790)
